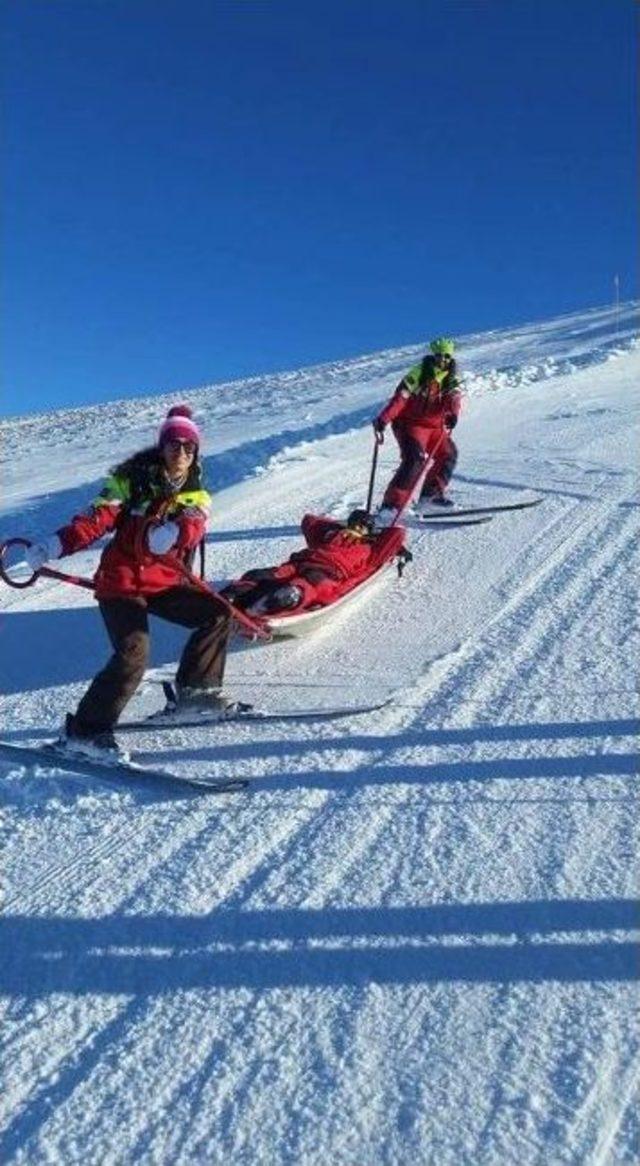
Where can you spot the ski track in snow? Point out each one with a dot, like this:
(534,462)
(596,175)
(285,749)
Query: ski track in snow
(409,941)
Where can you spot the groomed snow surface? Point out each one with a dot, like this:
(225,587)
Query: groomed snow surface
(411,939)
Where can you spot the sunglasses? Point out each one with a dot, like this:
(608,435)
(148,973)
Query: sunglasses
(443,357)
(175,445)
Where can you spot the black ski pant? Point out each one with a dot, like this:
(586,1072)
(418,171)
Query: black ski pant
(127,622)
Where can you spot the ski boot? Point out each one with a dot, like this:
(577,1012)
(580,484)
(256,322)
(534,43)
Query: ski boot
(284,598)
(435,501)
(186,704)
(98,745)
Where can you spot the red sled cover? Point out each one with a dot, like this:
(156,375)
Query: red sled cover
(334,563)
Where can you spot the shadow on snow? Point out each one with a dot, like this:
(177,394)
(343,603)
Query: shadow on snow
(141,957)
(149,955)
(64,645)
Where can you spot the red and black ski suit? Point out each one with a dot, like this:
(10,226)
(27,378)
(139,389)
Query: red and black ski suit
(334,561)
(423,410)
(132,583)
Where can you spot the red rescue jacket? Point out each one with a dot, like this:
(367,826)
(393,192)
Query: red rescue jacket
(340,552)
(424,397)
(135,493)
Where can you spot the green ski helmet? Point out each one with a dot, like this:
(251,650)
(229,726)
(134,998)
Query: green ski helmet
(443,346)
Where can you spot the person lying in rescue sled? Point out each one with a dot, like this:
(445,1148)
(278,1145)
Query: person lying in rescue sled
(423,410)
(155,505)
(336,558)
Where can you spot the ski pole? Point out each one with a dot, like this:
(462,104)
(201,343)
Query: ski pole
(372,476)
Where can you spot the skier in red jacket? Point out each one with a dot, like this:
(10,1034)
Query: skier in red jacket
(336,558)
(423,411)
(155,505)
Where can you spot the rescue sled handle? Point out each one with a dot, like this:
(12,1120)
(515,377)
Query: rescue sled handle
(420,476)
(49,572)
(249,626)
(253,628)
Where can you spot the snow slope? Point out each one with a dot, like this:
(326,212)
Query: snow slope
(411,940)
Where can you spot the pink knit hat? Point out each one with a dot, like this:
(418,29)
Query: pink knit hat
(179,426)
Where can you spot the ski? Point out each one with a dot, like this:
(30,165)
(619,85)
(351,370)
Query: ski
(447,520)
(266,716)
(55,756)
(495,509)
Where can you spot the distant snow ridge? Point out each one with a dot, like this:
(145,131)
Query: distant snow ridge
(581,338)
(516,376)
(263,456)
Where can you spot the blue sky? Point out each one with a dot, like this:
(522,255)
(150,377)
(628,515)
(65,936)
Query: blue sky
(198,190)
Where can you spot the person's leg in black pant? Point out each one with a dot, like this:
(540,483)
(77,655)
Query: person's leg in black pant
(204,657)
(127,626)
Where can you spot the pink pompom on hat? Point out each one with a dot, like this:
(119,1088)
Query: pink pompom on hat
(179,425)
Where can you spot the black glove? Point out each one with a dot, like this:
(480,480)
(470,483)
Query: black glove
(451,421)
(378,429)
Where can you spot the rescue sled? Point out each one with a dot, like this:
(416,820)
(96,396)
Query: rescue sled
(290,624)
(293,622)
